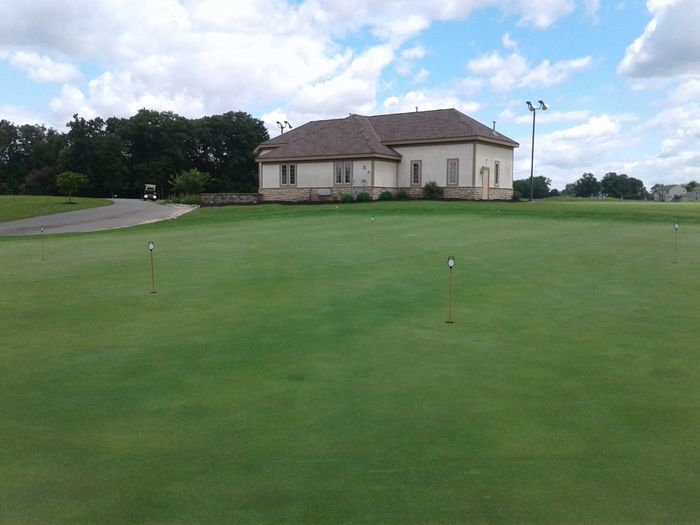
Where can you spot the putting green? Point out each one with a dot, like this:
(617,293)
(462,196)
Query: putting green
(295,366)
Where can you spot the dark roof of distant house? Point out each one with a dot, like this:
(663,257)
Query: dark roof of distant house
(373,136)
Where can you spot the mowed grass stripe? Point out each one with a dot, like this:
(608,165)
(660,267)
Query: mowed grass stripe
(297,367)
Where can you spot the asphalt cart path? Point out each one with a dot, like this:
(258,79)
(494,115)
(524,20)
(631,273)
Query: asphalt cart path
(121,214)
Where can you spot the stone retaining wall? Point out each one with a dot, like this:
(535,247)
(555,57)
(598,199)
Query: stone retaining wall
(313,194)
(227,199)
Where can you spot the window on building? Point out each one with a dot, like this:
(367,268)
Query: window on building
(415,173)
(338,170)
(496,173)
(288,175)
(452,172)
(342,172)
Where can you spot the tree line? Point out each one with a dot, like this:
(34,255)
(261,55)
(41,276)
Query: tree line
(619,186)
(119,155)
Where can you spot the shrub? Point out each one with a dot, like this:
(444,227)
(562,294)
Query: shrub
(385,196)
(363,197)
(402,194)
(189,182)
(346,197)
(516,196)
(432,191)
(187,199)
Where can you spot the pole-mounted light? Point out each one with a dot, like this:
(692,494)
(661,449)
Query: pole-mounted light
(533,109)
(283,126)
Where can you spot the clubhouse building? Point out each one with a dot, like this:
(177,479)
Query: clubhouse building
(323,159)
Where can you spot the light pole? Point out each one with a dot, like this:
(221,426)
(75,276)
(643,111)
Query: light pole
(284,125)
(532,108)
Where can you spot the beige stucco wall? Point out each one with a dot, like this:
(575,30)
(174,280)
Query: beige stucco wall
(270,176)
(486,156)
(314,175)
(385,173)
(434,163)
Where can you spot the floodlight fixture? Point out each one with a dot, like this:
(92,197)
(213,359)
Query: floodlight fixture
(283,125)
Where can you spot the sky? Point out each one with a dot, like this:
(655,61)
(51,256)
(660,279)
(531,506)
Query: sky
(621,77)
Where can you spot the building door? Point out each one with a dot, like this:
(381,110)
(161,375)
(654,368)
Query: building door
(485,175)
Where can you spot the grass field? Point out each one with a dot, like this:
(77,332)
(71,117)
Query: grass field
(295,366)
(14,207)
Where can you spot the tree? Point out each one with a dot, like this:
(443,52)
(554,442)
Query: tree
(691,185)
(540,187)
(70,182)
(623,187)
(189,182)
(586,186)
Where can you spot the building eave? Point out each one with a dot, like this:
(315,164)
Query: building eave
(316,158)
(453,140)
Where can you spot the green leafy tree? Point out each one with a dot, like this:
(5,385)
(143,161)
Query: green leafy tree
(586,186)
(223,147)
(691,185)
(540,187)
(189,182)
(70,182)
(623,187)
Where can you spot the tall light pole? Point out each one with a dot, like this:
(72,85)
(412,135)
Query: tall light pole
(532,108)
(284,125)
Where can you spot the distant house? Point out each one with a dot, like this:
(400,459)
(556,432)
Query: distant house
(323,159)
(693,195)
(670,193)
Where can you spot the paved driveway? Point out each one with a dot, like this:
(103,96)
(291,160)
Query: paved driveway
(122,213)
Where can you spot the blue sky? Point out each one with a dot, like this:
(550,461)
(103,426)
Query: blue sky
(621,78)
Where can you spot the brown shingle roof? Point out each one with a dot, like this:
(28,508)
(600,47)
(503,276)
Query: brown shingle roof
(372,136)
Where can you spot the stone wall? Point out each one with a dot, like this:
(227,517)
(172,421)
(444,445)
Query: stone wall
(414,192)
(227,199)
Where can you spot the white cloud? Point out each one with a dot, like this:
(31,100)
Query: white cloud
(551,117)
(592,8)
(43,69)
(508,42)
(670,44)
(427,100)
(20,115)
(421,76)
(210,56)
(509,72)
(543,13)
(686,92)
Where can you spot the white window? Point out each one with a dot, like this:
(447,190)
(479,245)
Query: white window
(416,173)
(342,172)
(496,172)
(288,175)
(452,172)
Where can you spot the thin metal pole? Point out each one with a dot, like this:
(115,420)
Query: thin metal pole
(532,155)
(42,243)
(153,277)
(675,247)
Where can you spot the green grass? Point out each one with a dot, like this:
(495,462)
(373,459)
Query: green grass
(295,366)
(13,207)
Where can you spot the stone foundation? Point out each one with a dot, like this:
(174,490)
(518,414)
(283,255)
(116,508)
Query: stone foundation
(413,192)
(227,199)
